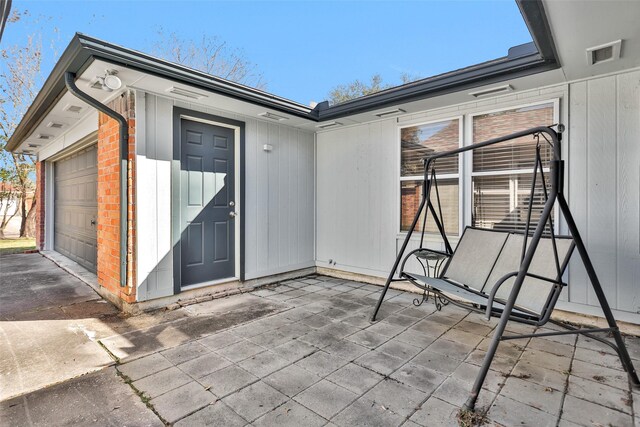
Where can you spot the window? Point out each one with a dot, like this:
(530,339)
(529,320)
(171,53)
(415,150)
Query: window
(416,143)
(502,173)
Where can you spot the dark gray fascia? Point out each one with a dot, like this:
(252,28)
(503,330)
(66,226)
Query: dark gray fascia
(538,24)
(72,59)
(83,50)
(523,60)
(129,58)
(5,10)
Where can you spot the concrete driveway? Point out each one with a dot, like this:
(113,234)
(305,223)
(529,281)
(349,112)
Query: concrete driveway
(48,325)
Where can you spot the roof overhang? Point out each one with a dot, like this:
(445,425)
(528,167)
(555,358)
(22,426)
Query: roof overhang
(528,59)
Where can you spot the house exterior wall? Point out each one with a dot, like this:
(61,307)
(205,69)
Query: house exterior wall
(279,195)
(604,186)
(40,206)
(358,201)
(108,232)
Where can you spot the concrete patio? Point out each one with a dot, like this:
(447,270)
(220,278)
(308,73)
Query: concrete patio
(320,361)
(303,353)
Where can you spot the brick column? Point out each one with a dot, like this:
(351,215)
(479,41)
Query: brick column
(109,200)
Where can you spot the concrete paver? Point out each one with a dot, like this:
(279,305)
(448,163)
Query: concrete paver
(217,414)
(182,401)
(99,398)
(305,353)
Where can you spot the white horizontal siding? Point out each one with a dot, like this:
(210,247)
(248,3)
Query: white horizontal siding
(279,195)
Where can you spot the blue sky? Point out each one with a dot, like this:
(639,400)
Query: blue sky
(303,48)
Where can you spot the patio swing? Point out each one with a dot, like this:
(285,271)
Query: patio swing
(507,274)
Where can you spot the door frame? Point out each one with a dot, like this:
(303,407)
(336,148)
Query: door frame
(239,159)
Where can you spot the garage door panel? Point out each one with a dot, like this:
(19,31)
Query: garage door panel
(76,207)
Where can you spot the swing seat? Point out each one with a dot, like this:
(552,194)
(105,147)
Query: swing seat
(481,271)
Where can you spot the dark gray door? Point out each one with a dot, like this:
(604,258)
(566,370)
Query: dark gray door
(76,207)
(206,203)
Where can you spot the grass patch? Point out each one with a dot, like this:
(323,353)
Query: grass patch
(16,246)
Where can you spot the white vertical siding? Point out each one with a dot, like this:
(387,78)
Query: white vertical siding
(604,186)
(279,195)
(357,178)
(358,194)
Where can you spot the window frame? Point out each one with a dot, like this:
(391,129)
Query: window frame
(469,158)
(459,176)
(465,162)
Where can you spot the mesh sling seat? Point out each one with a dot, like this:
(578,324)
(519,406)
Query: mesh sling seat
(482,269)
(513,275)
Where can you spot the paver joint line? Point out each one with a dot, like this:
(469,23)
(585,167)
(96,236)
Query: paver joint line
(316,358)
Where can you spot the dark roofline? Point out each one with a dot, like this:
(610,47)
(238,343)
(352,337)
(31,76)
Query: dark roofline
(523,60)
(5,10)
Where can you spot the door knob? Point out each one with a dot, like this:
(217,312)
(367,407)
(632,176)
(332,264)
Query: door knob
(232,214)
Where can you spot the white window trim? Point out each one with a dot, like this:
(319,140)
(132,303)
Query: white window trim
(428,236)
(556,119)
(465,165)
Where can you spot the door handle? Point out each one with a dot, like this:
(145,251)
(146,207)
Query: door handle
(232,214)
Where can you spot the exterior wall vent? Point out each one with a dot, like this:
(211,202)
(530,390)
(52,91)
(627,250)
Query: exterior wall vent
(34,145)
(186,93)
(43,136)
(268,115)
(54,125)
(390,113)
(491,91)
(72,108)
(328,125)
(604,53)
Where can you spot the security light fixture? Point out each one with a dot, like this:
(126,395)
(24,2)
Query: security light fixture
(328,125)
(390,113)
(109,82)
(491,91)
(268,115)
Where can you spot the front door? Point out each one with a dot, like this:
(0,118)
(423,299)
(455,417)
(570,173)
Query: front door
(207,245)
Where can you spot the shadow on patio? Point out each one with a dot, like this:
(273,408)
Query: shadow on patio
(319,360)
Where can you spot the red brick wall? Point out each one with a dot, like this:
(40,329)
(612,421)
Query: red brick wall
(40,175)
(109,200)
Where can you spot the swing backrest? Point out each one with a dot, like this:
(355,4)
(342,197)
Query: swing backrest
(535,295)
(475,256)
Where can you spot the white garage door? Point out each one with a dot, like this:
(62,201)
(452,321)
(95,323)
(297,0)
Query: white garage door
(76,207)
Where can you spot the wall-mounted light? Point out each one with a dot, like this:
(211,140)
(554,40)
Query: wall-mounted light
(109,82)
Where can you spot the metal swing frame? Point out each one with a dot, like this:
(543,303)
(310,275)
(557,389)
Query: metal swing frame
(553,196)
